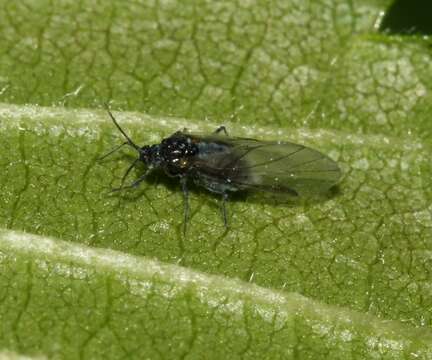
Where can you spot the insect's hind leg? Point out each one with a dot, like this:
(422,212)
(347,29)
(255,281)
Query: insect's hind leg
(183,182)
(224,212)
(221,128)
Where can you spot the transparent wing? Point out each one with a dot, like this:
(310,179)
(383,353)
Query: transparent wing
(266,166)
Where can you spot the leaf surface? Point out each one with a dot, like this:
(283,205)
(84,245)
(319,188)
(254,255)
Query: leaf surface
(88,274)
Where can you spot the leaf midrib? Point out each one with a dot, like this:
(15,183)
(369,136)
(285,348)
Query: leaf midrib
(125,267)
(86,122)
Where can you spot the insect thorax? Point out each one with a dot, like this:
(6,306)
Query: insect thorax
(176,153)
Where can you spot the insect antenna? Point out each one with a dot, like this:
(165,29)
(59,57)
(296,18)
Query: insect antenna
(128,139)
(113,151)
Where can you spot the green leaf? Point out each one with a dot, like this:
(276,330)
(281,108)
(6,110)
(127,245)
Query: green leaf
(130,306)
(90,274)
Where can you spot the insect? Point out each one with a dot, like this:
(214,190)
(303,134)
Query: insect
(223,164)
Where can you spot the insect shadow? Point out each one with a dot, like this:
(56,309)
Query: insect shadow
(234,167)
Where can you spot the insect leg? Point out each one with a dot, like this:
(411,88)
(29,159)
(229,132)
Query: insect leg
(183,182)
(128,171)
(224,212)
(221,128)
(134,184)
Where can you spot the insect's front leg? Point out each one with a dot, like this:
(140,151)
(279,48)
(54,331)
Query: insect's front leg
(183,182)
(221,128)
(224,212)
(135,183)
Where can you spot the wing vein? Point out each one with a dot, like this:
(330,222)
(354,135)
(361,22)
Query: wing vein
(233,163)
(273,160)
(308,162)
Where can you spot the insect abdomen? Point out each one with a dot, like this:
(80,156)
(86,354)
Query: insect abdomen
(214,184)
(219,168)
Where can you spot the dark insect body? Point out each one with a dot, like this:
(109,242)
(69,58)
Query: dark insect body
(223,164)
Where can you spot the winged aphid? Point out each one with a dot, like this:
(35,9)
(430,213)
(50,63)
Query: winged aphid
(223,164)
